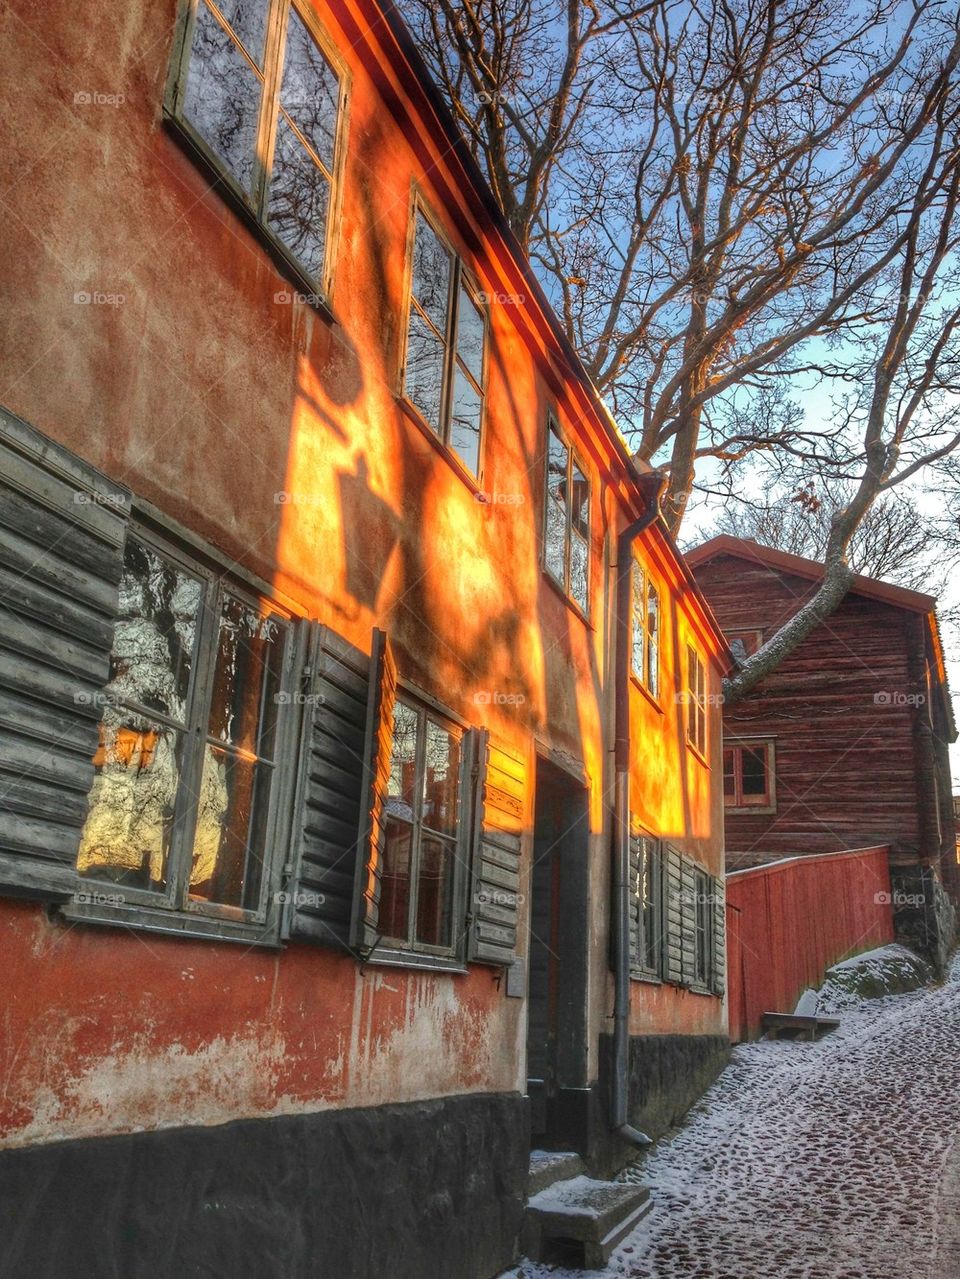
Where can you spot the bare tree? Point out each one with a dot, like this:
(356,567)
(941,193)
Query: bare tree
(892,541)
(711,190)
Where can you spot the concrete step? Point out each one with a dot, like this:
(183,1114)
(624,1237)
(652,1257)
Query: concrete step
(578,1222)
(548,1166)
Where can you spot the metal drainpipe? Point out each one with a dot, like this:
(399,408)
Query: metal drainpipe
(651,484)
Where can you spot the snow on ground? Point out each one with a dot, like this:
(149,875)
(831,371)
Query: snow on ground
(810,1161)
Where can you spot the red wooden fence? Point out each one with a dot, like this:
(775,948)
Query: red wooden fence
(787,922)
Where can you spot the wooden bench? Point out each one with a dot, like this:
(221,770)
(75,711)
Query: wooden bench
(797,1026)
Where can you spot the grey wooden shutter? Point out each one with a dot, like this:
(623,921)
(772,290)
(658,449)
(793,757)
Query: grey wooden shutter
(498,826)
(62,529)
(377,750)
(718,972)
(635,904)
(319,895)
(688,904)
(673,915)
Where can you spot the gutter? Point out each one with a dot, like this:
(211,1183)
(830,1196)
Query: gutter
(651,484)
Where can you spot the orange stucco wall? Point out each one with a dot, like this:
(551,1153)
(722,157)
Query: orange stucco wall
(278,436)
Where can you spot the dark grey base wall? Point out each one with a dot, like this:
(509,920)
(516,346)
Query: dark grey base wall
(924,918)
(414,1191)
(668,1073)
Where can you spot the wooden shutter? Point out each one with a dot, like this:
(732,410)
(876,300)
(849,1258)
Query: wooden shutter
(718,974)
(377,750)
(673,915)
(635,903)
(62,529)
(495,903)
(688,911)
(319,896)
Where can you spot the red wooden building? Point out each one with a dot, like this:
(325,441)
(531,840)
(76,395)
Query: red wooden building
(845,744)
(355,708)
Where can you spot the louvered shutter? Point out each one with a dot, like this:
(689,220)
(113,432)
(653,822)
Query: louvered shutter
(62,529)
(635,904)
(377,749)
(495,904)
(719,957)
(319,896)
(673,915)
(688,911)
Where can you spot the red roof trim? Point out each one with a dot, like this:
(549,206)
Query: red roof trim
(784,562)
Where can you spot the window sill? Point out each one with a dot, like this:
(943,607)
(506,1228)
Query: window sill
(649,979)
(749,810)
(571,604)
(170,924)
(638,683)
(386,957)
(414,415)
(307,291)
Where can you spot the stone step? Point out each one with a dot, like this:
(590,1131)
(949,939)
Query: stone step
(579,1222)
(548,1166)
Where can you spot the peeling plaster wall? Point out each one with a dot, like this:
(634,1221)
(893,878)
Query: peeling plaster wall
(106,1031)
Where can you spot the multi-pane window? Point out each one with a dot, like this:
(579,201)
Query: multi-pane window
(182,802)
(446,337)
(696,700)
(262,100)
(418,883)
(645,661)
(647,905)
(566,520)
(748,775)
(744,644)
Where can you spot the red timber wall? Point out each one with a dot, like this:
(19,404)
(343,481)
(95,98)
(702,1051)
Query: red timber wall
(840,712)
(277,435)
(789,921)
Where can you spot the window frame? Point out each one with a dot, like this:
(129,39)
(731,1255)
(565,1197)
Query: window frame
(639,617)
(170,910)
(252,205)
(641,970)
(410,953)
(696,703)
(460,277)
(738,632)
(768,801)
(573,460)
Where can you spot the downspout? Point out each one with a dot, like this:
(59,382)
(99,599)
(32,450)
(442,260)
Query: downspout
(651,484)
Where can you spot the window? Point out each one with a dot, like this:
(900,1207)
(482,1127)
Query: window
(696,700)
(646,631)
(567,520)
(183,801)
(261,100)
(446,339)
(703,928)
(744,644)
(419,876)
(748,776)
(647,930)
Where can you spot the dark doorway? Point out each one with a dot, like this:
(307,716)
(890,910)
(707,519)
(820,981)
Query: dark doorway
(557,992)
